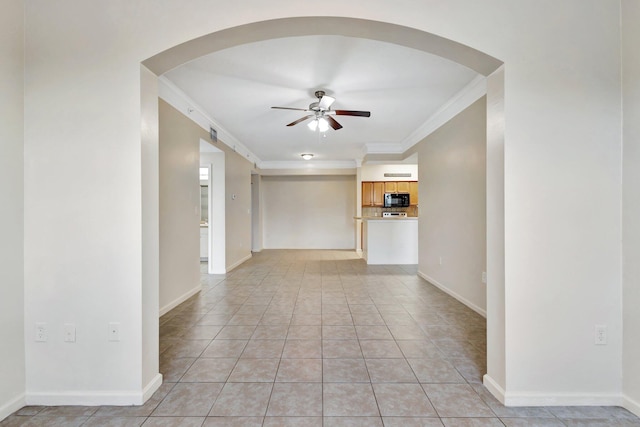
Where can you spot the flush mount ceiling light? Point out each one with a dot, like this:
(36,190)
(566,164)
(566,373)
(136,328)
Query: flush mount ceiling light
(307,156)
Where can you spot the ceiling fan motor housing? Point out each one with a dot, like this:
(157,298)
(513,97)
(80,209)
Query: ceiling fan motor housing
(315,106)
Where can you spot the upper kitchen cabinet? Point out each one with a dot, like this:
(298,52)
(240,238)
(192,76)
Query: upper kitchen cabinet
(403,187)
(372,193)
(367,194)
(413,192)
(391,187)
(397,187)
(378,194)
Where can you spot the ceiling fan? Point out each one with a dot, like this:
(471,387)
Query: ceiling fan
(322,113)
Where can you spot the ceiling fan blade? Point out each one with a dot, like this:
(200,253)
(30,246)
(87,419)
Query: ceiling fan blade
(325,102)
(353,113)
(302,119)
(333,123)
(290,108)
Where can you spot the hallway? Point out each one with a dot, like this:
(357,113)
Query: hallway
(319,338)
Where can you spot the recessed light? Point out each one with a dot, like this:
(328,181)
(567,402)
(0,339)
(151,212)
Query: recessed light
(307,156)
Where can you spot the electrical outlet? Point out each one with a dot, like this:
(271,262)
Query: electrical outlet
(114,331)
(440,261)
(601,335)
(484,277)
(69,332)
(41,332)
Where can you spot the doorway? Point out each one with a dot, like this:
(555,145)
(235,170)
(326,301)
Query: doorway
(410,37)
(213,159)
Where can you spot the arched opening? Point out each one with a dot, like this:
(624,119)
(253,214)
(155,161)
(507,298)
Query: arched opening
(483,64)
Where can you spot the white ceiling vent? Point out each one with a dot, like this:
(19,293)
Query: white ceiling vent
(398,175)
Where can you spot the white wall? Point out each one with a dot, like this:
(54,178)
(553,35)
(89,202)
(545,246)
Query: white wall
(495,378)
(452,219)
(631,202)
(179,207)
(562,176)
(12,385)
(150,235)
(256,213)
(308,212)
(237,189)
(237,207)
(563,204)
(83,208)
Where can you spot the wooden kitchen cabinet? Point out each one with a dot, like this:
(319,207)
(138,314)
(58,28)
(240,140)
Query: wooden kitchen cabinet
(378,194)
(367,194)
(372,193)
(402,187)
(413,193)
(396,187)
(390,187)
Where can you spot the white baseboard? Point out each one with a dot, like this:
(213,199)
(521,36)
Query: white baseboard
(562,399)
(472,306)
(85,398)
(95,398)
(631,405)
(12,406)
(176,302)
(493,387)
(516,399)
(236,264)
(151,388)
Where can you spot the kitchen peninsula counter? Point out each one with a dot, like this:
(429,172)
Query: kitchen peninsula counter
(390,240)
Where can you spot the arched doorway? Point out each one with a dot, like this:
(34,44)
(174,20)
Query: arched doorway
(483,64)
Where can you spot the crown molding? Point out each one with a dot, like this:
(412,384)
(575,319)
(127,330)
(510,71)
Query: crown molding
(382,148)
(308,164)
(473,91)
(175,97)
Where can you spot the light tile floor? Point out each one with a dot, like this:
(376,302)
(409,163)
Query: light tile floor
(318,338)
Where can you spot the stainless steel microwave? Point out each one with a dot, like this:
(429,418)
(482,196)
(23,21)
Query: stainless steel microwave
(396,200)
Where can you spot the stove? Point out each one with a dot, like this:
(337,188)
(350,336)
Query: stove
(394,214)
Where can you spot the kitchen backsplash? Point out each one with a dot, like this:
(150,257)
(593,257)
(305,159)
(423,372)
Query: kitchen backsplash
(377,211)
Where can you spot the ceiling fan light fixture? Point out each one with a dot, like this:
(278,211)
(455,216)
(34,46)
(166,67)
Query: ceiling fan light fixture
(321,114)
(323,124)
(313,124)
(307,156)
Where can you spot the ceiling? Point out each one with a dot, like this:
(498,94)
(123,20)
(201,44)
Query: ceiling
(402,87)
